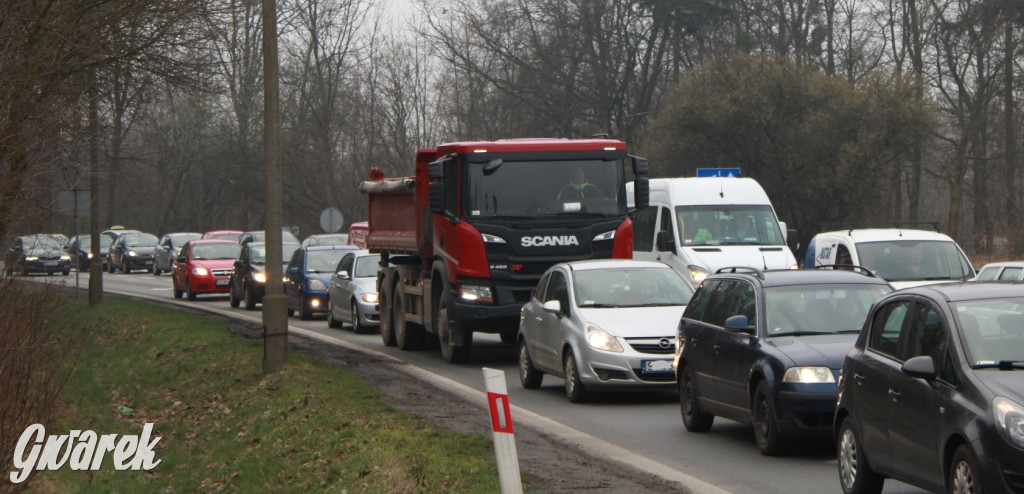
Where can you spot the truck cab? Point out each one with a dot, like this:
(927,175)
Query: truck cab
(698,225)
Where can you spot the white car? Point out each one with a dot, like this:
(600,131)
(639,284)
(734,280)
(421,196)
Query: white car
(352,293)
(602,324)
(901,256)
(1001,271)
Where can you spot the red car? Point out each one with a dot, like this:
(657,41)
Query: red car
(224,234)
(204,266)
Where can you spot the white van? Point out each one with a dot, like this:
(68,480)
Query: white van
(900,256)
(701,224)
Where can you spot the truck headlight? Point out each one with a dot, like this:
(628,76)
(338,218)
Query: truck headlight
(492,239)
(1009,420)
(697,273)
(317,285)
(605,236)
(810,375)
(601,340)
(476,293)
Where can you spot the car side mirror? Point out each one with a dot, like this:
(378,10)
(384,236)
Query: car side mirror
(740,324)
(293,271)
(343,275)
(921,367)
(182,259)
(239,264)
(665,242)
(552,306)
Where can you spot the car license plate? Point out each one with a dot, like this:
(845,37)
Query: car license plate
(149,263)
(223,282)
(50,263)
(657,366)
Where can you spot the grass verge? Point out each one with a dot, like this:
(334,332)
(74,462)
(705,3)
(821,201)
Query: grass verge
(226,426)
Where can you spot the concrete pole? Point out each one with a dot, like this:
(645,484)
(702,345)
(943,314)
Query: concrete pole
(275,317)
(96,263)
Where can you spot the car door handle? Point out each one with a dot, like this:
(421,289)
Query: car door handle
(857,376)
(717,347)
(539,319)
(894,395)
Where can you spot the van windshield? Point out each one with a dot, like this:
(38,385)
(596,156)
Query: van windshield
(741,224)
(914,260)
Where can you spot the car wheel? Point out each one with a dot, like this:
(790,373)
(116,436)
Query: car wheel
(855,474)
(291,312)
(331,321)
(694,419)
(387,328)
(574,388)
(177,291)
(528,374)
(110,267)
(766,428)
(963,475)
(357,320)
(156,271)
(451,352)
(188,290)
(408,336)
(149,270)
(233,301)
(305,312)
(508,335)
(66,273)
(250,298)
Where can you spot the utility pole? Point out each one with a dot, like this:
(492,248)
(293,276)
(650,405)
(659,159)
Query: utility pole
(275,317)
(96,263)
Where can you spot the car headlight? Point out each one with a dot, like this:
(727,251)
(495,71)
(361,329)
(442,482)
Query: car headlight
(794,267)
(1009,420)
(492,239)
(601,340)
(317,285)
(808,375)
(90,255)
(697,273)
(476,293)
(31,258)
(370,298)
(259,277)
(65,258)
(200,271)
(132,253)
(605,236)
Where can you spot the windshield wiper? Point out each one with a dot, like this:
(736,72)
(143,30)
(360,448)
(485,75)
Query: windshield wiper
(600,306)
(740,242)
(796,333)
(1001,365)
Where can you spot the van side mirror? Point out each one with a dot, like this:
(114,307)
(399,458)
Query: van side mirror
(665,242)
(641,185)
(792,240)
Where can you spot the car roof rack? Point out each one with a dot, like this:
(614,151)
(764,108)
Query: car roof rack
(850,227)
(849,267)
(742,269)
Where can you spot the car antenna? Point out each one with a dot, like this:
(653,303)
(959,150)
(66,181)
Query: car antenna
(721,186)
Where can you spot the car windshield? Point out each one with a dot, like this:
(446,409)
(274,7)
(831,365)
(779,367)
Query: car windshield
(179,239)
(340,239)
(259,253)
(817,309)
(992,330)
(323,261)
(227,236)
(286,236)
(215,251)
(630,287)
(530,189)
(746,224)
(367,266)
(140,240)
(43,242)
(914,260)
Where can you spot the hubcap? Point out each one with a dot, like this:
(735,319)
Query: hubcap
(762,417)
(570,375)
(523,362)
(688,398)
(963,478)
(847,459)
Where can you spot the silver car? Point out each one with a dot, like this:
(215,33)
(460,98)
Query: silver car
(352,293)
(168,248)
(602,324)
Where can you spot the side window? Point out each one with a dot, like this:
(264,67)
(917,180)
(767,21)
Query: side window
(886,327)
(699,302)
(1011,274)
(988,274)
(665,224)
(538,293)
(733,297)
(925,335)
(451,187)
(558,289)
(643,229)
(296,261)
(346,265)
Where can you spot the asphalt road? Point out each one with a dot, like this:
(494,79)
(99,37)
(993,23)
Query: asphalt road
(643,429)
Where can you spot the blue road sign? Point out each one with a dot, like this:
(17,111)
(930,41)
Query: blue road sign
(718,172)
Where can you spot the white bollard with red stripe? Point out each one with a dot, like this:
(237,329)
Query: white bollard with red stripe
(501,425)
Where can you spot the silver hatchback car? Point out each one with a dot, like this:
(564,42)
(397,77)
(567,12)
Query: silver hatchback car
(602,324)
(352,293)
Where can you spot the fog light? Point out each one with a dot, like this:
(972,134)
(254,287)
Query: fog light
(314,303)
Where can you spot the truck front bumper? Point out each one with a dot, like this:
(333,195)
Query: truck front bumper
(487,318)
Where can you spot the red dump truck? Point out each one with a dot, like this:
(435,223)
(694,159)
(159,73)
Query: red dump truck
(465,240)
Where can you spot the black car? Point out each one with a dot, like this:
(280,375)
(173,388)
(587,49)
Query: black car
(80,250)
(933,392)
(249,277)
(261,236)
(168,248)
(765,348)
(132,251)
(37,254)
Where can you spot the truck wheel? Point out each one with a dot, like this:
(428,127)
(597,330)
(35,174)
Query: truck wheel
(387,329)
(408,335)
(509,334)
(450,350)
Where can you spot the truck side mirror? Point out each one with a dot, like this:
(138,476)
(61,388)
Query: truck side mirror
(435,170)
(665,242)
(641,186)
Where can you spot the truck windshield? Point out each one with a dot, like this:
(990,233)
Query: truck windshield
(529,189)
(742,224)
(914,260)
